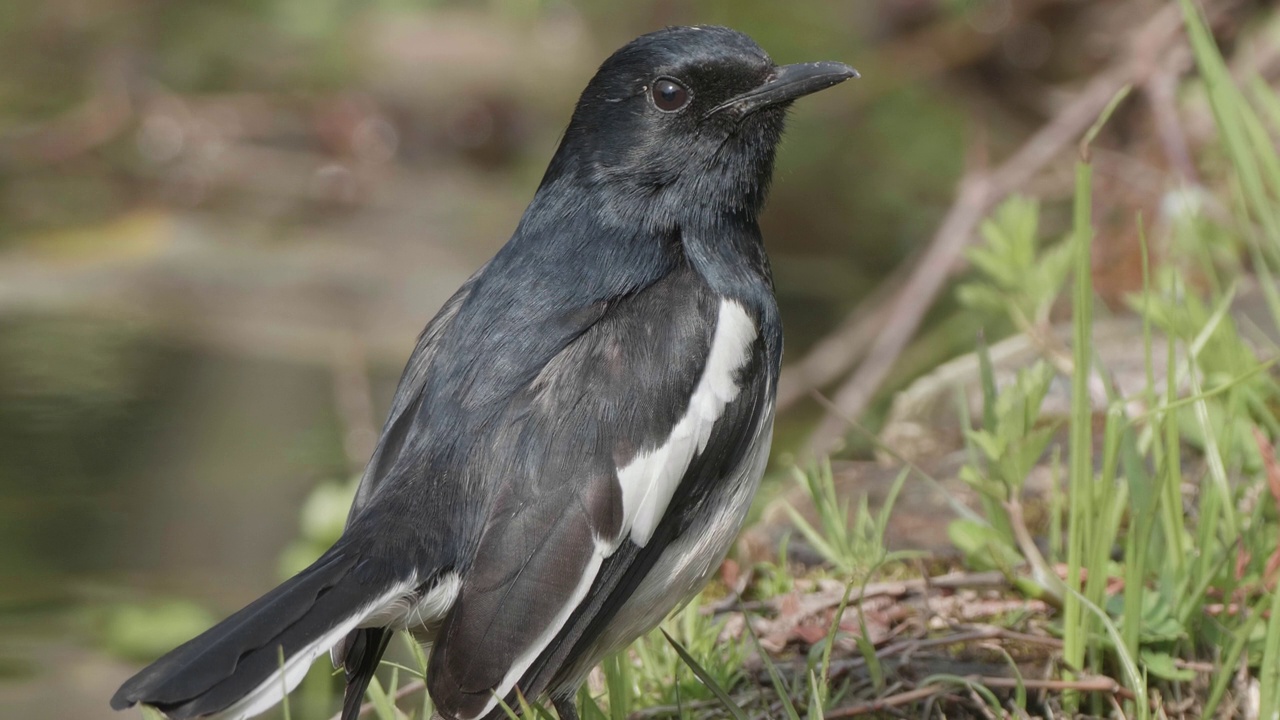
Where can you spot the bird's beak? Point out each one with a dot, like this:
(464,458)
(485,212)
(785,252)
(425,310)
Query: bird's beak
(786,83)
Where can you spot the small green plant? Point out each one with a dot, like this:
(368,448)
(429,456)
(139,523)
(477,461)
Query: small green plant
(775,578)
(658,668)
(852,544)
(1018,279)
(1011,442)
(707,678)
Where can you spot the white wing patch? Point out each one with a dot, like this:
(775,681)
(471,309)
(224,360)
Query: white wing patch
(649,481)
(685,565)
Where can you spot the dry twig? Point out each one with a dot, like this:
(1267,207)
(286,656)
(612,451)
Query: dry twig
(833,356)
(1089,684)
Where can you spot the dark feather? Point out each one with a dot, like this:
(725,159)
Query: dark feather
(365,649)
(555,452)
(729,445)
(226,662)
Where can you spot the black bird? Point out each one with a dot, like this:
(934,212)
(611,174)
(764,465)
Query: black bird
(579,432)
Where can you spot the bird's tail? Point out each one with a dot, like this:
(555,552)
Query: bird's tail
(247,663)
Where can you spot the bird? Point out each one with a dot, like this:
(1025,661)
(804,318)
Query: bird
(578,434)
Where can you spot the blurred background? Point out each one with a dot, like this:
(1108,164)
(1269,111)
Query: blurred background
(222,226)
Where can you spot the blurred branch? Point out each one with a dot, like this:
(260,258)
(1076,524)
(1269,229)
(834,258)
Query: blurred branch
(980,191)
(98,120)
(1161,94)
(836,353)
(942,46)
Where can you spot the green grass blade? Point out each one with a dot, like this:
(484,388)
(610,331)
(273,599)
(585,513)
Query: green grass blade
(982,690)
(1092,133)
(284,683)
(588,708)
(784,693)
(729,705)
(1133,677)
(1230,659)
(1269,673)
(506,710)
(1229,109)
(816,698)
(416,652)
(830,642)
(383,706)
(617,681)
(1080,469)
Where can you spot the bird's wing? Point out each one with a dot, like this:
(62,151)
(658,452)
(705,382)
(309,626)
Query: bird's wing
(618,438)
(408,391)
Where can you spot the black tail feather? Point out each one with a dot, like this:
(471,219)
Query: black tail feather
(234,658)
(365,650)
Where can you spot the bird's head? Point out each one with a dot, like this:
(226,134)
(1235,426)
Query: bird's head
(683,120)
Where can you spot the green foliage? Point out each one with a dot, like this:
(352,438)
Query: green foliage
(1017,278)
(656,672)
(780,686)
(1015,440)
(1242,126)
(1002,454)
(1269,670)
(854,544)
(1216,397)
(285,706)
(772,579)
(619,684)
(983,546)
(1084,535)
(523,709)
(384,707)
(708,679)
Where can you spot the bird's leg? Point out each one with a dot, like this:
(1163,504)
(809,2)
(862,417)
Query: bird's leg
(565,708)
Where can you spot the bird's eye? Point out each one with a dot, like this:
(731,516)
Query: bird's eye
(669,95)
